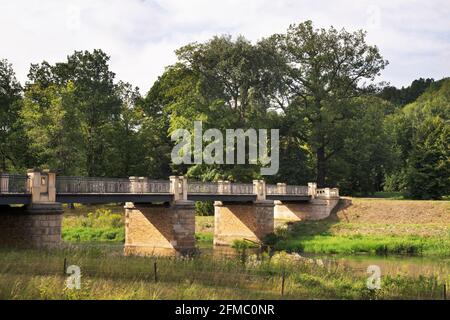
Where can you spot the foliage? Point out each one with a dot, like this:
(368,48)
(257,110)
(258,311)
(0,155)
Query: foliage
(337,127)
(421,134)
(98,226)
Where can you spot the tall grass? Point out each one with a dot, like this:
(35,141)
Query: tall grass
(107,274)
(101,226)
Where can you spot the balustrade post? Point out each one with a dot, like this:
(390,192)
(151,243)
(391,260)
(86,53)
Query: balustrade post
(259,188)
(34,185)
(178,187)
(281,188)
(312,189)
(134,184)
(143,183)
(51,182)
(224,187)
(42,186)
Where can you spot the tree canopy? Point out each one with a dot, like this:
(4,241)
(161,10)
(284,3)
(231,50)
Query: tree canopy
(317,86)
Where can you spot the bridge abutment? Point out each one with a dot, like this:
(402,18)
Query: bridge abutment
(319,207)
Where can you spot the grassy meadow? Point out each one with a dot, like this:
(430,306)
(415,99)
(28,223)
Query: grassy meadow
(107,274)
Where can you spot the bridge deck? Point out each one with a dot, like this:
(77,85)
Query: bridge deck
(15,198)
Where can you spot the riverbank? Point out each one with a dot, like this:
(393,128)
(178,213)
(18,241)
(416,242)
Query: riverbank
(372,226)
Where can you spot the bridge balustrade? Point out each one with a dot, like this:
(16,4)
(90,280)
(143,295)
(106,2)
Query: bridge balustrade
(284,189)
(10,183)
(92,185)
(242,188)
(13,183)
(73,185)
(203,187)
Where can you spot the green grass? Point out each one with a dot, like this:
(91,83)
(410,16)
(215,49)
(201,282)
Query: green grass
(407,245)
(101,225)
(330,237)
(204,239)
(89,234)
(107,274)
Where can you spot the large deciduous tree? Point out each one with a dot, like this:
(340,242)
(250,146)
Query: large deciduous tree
(319,71)
(94,100)
(12,141)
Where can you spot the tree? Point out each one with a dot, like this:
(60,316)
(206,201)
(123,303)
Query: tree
(13,152)
(219,83)
(367,152)
(52,125)
(322,71)
(428,166)
(406,95)
(94,100)
(421,133)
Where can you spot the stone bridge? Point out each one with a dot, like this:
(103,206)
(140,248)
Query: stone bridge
(159,214)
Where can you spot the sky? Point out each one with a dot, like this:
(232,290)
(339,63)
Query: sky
(141,35)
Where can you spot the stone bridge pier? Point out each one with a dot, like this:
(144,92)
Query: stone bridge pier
(161,229)
(37,224)
(243,220)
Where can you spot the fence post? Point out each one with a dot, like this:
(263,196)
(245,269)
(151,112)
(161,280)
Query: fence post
(283,277)
(155,270)
(445,291)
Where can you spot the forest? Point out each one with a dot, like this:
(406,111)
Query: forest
(340,125)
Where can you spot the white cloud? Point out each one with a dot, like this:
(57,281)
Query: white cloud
(141,35)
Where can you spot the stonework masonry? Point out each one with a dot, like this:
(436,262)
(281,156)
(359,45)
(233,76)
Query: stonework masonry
(314,209)
(238,221)
(26,227)
(152,229)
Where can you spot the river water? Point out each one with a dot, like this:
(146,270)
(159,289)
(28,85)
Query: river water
(413,266)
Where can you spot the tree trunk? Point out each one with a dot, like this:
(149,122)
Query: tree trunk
(321,167)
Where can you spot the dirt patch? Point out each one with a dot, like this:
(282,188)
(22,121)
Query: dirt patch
(381,211)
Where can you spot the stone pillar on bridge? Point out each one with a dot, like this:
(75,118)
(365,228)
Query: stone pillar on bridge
(161,229)
(319,206)
(37,224)
(243,220)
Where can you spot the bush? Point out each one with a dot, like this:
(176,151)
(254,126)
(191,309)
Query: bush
(204,208)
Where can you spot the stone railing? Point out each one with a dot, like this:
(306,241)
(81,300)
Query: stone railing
(242,188)
(197,187)
(179,186)
(328,193)
(73,185)
(284,189)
